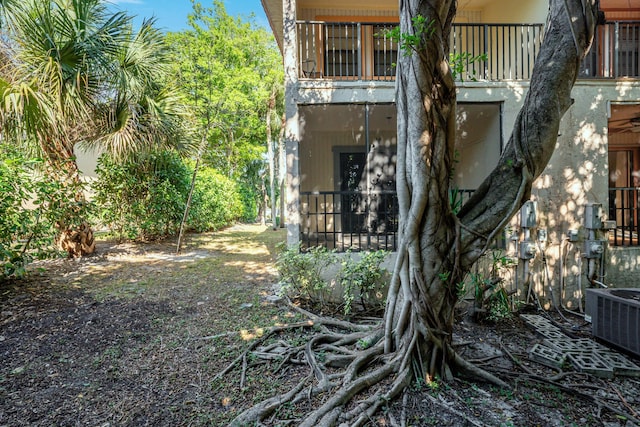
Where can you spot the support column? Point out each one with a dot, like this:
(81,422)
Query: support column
(292,128)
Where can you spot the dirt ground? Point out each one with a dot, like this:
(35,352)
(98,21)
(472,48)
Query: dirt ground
(138,336)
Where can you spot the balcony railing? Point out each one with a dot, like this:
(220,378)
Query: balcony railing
(349,220)
(625,210)
(510,49)
(364,51)
(615,51)
(352,220)
(346,51)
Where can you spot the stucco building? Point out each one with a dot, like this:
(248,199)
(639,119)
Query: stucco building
(341,133)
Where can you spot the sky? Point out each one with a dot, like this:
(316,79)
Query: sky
(171,15)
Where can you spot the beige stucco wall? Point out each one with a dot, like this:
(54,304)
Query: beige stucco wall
(509,11)
(577,174)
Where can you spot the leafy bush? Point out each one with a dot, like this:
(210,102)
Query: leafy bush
(35,200)
(217,202)
(301,273)
(142,198)
(249,197)
(15,187)
(364,278)
(491,299)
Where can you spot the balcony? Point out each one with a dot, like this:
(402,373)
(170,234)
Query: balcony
(354,220)
(615,52)
(349,220)
(364,51)
(361,221)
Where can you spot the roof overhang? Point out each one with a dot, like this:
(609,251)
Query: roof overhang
(273,10)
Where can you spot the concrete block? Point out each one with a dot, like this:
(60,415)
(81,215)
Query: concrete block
(547,356)
(589,344)
(537,321)
(620,364)
(552,335)
(564,344)
(590,363)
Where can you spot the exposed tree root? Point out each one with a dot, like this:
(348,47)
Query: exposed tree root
(270,332)
(344,367)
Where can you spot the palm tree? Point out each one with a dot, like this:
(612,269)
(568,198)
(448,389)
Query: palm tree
(75,74)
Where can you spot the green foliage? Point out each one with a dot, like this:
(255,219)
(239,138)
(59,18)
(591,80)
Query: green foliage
(35,200)
(411,42)
(249,198)
(363,277)
(217,202)
(301,272)
(14,219)
(227,67)
(79,74)
(491,298)
(460,63)
(143,197)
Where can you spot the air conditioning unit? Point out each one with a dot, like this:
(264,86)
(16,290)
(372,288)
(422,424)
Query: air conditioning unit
(615,316)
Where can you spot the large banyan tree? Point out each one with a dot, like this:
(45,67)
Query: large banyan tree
(437,246)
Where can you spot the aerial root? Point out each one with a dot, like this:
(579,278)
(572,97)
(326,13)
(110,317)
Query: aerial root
(358,366)
(327,414)
(264,408)
(477,372)
(270,332)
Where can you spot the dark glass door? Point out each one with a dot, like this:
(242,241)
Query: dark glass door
(352,184)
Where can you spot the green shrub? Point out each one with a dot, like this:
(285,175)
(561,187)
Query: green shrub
(216,203)
(249,197)
(15,187)
(301,272)
(34,199)
(364,278)
(491,299)
(142,198)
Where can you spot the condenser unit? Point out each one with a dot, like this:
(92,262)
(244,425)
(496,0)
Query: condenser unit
(615,316)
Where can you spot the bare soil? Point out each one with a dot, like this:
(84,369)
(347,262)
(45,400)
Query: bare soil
(137,336)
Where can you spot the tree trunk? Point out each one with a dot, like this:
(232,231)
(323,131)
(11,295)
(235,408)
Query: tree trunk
(437,248)
(272,160)
(282,170)
(75,235)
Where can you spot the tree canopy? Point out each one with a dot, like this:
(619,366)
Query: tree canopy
(228,68)
(76,73)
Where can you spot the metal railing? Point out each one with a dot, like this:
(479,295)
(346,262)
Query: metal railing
(615,51)
(510,50)
(352,220)
(346,51)
(349,220)
(624,209)
(365,51)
